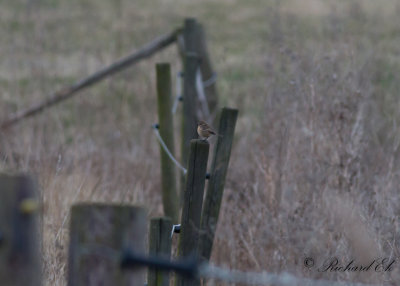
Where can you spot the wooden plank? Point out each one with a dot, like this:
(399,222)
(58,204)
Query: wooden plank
(166,129)
(119,65)
(160,245)
(98,234)
(189,120)
(20,260)
(215,189)
(192,205)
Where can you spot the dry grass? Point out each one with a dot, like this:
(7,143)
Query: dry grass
(313,172)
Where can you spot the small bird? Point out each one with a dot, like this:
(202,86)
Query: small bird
(204,130)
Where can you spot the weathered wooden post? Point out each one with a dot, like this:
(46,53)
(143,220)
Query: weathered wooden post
(197,44)
(215,189)
(208,74)
(192,204)
(160,245)
(166,127)
(20,261)
(98,235)
(191,63)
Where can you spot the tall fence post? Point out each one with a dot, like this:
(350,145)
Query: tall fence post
(208,74)
(166,126)
(160,245)
(20,261)
(193,201)
(197,43)
(191,63)
(215,189)
(98,235)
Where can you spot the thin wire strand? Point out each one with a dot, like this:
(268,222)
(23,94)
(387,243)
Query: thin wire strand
(264,278)
(201,94)
(164,146)
(211,80)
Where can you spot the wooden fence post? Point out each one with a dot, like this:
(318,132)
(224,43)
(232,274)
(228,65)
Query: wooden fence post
(20,261)
(197,43)
(189,120)
(166,126)
(160,245)
(207,72)
(193,201)
(215,189)
(98,235)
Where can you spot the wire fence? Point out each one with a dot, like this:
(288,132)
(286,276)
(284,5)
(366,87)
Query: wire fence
(200,86)
(265,278)
(190,267)
(166,150)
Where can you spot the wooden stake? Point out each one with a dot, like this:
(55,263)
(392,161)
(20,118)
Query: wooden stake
(215,190)
(189,120)
(160,245)
(20,261)
(98,235)
(193,201)
(166,126)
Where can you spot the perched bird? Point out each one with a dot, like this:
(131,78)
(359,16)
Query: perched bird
(204,130)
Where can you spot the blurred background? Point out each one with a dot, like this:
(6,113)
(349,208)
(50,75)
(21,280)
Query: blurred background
(313,165)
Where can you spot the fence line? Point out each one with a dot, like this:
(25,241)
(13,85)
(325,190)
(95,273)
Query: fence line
(191,268)
(265,278)
(145,52)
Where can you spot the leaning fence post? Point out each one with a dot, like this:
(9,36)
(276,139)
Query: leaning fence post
(215,189)
(192,204)
(98,235)
(191,63)
(160,245)
(20,262)
(166,126)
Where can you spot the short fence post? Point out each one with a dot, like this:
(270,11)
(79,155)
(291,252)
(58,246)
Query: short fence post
(20,261)
(160,245)
(215,189)
(98,235)
(189,120)
(166,126)
(193,201)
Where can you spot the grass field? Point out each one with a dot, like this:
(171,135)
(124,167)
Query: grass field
(314,170)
